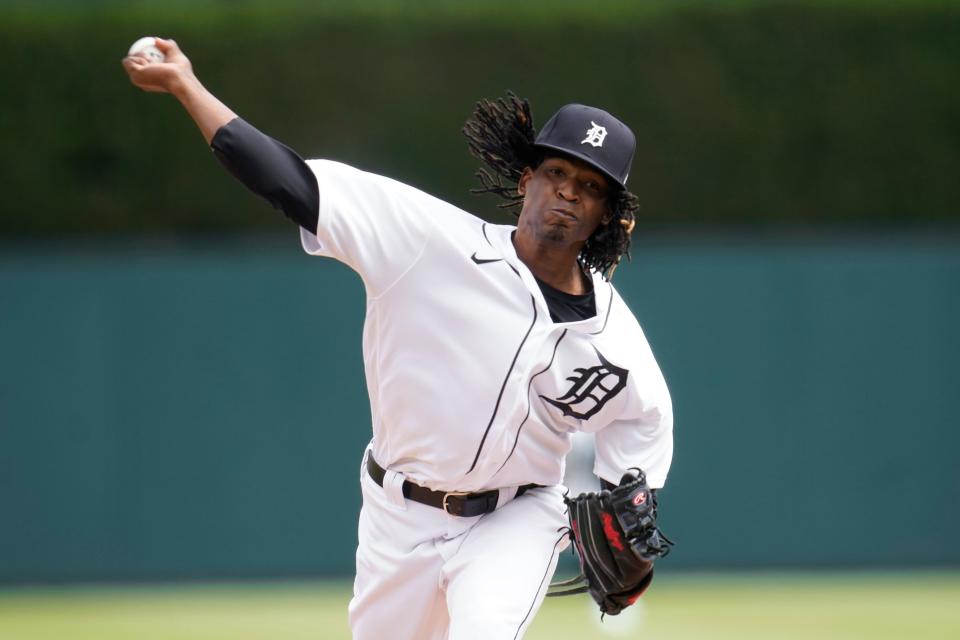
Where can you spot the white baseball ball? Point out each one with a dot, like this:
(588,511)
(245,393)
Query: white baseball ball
(146,47)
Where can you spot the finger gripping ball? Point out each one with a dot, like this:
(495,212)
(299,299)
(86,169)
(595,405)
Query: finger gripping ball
(146,47)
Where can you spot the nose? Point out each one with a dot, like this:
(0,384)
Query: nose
(568,191)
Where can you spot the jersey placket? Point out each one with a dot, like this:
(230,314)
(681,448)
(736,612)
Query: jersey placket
(535,357)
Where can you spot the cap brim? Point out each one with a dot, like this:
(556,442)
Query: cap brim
(590,161)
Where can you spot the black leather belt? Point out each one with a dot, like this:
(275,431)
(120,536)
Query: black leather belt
(456,503)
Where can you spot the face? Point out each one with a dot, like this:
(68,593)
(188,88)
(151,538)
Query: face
(564,201)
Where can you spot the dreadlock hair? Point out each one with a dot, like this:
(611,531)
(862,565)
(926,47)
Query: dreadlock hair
(501,134)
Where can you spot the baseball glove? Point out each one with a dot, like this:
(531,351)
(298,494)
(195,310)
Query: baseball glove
(617,539)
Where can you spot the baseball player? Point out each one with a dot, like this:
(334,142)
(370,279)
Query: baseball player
(485,347)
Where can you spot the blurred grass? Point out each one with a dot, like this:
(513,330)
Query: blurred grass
(680,607)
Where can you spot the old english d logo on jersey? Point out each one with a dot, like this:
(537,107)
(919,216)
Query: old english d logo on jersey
(591,388)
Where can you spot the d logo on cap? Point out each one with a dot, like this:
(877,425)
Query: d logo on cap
(595,135)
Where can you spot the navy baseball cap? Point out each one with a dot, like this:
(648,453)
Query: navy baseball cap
(592,135)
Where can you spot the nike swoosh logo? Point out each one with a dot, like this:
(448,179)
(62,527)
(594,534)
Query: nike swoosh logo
(483,260)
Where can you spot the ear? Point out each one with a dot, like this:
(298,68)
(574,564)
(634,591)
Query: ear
(524,179)
(607,217)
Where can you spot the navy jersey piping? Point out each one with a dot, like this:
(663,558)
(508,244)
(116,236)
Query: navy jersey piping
(503,386)
(542,581)
(529,403)
(609,307)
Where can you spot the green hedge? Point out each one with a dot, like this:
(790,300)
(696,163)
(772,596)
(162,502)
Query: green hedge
(746,112)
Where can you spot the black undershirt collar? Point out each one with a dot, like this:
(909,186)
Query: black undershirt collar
(563,306)
(568,307)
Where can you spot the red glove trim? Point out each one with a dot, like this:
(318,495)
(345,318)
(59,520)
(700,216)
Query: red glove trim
(611,531)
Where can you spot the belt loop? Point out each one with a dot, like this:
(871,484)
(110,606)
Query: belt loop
(363,464)
(393,489)
(506,495)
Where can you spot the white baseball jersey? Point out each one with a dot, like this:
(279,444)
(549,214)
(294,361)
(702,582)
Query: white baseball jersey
(472,385)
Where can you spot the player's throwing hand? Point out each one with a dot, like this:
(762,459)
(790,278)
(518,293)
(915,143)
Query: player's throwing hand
(159,77)
(175,76)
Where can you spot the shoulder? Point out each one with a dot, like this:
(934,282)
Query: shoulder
(621,311)
(629,334)
(333,172)
(622,327)
(339,177)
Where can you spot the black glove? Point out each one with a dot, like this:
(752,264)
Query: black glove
(616,538)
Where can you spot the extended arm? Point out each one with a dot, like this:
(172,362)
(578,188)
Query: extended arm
(267,167)
(175,76)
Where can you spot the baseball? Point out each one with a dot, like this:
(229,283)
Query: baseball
(148,48)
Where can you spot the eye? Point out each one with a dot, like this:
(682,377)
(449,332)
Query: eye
(555,171)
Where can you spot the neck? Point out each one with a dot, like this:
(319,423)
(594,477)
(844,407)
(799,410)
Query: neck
(555,265)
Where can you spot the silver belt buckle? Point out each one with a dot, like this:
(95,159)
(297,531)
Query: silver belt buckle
(452,493)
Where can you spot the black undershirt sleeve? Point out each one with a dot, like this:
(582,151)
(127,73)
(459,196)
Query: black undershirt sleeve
(270,169)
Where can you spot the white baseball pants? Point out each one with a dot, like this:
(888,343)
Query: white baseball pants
(426,575)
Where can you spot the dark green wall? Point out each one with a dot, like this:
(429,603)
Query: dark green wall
(196,408)
(754,111)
